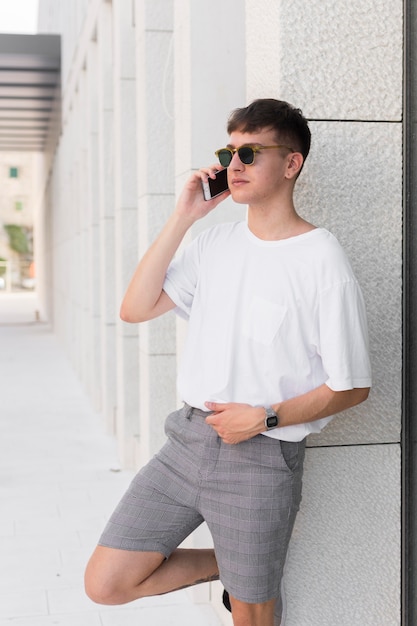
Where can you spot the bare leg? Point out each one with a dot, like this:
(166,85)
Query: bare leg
(278,609)
(245,614)
(119,576)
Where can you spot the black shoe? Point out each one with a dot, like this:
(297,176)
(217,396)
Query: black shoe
(226,601)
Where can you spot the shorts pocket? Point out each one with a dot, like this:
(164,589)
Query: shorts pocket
(293,453)
(174,424)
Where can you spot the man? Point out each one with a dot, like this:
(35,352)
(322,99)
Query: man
(276,345)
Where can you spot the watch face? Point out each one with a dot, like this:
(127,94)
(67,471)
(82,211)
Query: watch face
(272,421)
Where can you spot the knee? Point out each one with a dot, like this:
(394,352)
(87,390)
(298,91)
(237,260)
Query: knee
(99,589)
(99,594)
(96,591)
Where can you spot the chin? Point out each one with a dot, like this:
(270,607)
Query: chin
(239,196)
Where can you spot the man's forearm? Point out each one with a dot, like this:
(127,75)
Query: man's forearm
(142,300)
(318,403)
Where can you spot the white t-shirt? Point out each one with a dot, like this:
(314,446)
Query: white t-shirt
(268,320)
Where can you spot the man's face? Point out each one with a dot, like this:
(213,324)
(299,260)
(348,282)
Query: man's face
(263,180)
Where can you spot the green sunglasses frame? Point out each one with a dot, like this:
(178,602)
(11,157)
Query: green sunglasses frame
(254,149)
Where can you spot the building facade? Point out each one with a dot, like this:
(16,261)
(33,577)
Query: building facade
(147,86)
(18,193)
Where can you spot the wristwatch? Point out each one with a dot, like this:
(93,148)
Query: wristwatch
(271,418)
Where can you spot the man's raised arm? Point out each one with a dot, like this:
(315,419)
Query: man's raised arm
(145,298)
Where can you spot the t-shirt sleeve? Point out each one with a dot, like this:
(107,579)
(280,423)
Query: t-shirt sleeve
(344,344)
(181,279)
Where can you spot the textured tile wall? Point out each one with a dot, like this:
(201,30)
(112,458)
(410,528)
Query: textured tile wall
(344,561)
(337,60)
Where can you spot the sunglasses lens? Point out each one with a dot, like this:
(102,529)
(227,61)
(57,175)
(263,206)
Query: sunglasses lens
(246,155)
(224,156)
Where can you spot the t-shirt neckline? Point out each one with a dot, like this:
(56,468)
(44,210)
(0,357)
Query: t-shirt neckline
(281,242)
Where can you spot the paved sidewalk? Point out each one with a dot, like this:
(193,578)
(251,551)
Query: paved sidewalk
(57,489)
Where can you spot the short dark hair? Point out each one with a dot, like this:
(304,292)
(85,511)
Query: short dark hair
(289,124)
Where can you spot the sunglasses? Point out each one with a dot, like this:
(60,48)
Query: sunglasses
(246,153)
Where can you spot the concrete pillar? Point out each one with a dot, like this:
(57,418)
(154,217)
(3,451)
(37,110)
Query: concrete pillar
(126,218)
(107,220)
(93,261)
(82,211)
(155,176)
(210,81)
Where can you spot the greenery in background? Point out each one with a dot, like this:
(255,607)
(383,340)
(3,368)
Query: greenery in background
(2,268)
(18,240)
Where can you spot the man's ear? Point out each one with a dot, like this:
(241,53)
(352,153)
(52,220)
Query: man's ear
(294,164)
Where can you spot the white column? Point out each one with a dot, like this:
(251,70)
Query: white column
(93,262)
(82,337)
(106,204)
(126,218)
(155,175)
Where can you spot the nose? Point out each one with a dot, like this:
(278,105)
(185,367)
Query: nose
(236,163)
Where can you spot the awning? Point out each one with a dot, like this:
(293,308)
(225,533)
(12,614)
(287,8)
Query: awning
(30,71)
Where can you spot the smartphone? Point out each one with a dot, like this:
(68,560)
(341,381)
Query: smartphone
(215,186)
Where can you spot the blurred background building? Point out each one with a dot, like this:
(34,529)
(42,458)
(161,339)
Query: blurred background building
(17,199)
(29,81)
(146,88)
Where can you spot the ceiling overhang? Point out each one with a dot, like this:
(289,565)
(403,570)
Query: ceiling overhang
(30,74)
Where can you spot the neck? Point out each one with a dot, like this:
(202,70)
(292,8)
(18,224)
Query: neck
(272,224)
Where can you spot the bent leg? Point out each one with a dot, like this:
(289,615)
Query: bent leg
(115,576)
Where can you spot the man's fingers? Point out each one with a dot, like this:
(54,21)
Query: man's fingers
(216,406)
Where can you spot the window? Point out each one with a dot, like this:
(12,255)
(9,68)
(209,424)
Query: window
(18,205)
(13,172)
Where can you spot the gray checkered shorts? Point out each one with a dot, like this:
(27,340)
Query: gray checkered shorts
(248,494)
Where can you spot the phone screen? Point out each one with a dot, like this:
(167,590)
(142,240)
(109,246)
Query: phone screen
(215,186)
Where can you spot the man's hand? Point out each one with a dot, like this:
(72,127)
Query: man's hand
(235,422)
(191,205)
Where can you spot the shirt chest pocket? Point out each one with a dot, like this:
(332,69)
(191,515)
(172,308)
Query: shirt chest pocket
(262,320)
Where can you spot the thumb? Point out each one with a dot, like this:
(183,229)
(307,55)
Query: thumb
(215,406)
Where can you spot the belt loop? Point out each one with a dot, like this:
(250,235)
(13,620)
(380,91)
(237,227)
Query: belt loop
(188,411)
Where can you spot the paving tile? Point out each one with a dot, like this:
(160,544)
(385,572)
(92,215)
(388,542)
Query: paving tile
(86,619)
(41,544)
(21,605)
(61,601)
(31,575)
(6,528)
(190,615)
(74,600)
